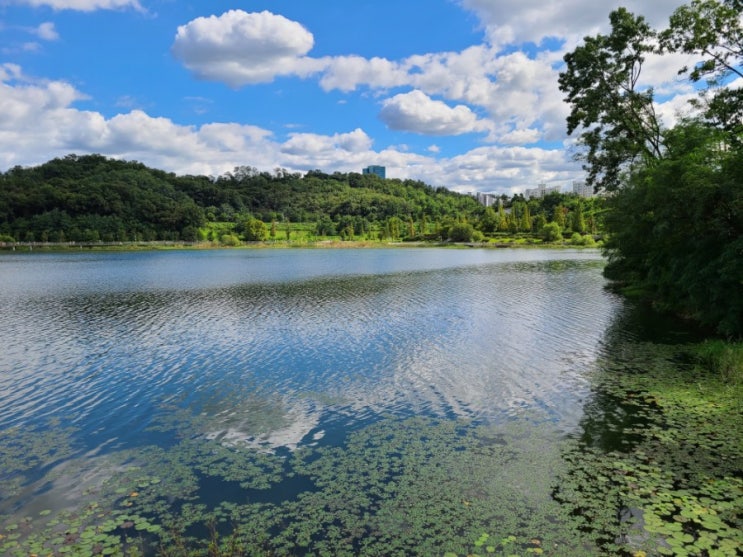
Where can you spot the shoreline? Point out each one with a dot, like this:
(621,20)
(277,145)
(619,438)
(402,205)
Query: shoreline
(72,247)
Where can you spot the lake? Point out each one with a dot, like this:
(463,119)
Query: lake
(297,401)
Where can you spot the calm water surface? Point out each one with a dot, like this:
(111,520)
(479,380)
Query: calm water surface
(279,350)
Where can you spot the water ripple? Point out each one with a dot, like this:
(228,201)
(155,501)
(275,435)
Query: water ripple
(481,338)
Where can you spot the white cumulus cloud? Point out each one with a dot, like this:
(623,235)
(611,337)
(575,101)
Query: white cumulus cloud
(521,136)
(39,121)
(314,144)
(346,73)
(417,112)
(519,21)
(515,94)
(508,169)
(240,48)
(46,31)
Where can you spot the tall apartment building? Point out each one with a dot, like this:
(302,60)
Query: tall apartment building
(380,171)
(487,199)
(580,188)
(540,191)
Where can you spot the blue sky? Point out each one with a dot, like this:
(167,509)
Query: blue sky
(457,93)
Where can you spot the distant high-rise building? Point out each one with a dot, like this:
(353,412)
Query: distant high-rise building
(580,188)
(540,191)
(380,171)
(487,199)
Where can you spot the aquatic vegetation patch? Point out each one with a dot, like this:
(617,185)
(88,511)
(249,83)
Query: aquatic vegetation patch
(25,451)
(678,489)
(416,486)
(147,491)
(395,487)
(656,468)
(92,529)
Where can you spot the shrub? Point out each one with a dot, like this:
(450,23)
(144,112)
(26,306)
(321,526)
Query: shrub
(550,232)
(461,232)
(582,240)
(229,240)
(255,230)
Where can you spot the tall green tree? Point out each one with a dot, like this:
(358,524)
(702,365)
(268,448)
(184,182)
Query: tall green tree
(616,118)
(502,219)
(713,31)
(392,228)
(489,220)
(558,216)
(423,225)
(578,221)
(525,222)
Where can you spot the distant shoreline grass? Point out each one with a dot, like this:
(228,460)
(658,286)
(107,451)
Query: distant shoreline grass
(65,247)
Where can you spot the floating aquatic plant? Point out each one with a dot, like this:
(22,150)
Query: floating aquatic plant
(679,486)
(24,451)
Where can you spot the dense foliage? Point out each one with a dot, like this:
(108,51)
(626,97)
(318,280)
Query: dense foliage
(675,226)
(678,229)
(92,198)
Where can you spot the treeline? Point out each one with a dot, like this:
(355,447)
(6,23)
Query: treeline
(675,224)
(92,198)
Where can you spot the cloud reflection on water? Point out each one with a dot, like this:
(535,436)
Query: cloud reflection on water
(485,338)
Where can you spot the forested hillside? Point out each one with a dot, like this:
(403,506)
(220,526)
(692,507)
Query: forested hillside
(92,198)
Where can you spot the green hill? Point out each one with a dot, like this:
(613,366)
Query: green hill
(92,198)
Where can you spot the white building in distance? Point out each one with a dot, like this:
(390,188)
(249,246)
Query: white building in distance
(487,199)
(582,189)
(540,191)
